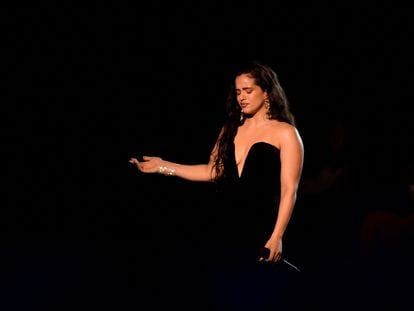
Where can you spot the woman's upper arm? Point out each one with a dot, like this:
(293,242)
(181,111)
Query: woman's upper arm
(291,157)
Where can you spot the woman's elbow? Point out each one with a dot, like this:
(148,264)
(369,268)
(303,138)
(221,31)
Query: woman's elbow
(289,193)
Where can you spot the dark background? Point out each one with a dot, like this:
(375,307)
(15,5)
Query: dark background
(86,87)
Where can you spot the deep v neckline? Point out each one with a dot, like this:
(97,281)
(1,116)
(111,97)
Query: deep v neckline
(241,171)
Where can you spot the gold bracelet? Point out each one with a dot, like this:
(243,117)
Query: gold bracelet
(166,171)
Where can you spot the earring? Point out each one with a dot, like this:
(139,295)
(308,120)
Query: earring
(241,116)
(267,104)
(267,107)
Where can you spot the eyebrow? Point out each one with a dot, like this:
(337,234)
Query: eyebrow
(244,88)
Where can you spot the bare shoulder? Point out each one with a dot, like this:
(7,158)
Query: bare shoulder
(280,126)
(284,133)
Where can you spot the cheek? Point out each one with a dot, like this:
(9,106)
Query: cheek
(256,99)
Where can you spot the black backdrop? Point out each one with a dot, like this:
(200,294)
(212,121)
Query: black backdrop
(87,87)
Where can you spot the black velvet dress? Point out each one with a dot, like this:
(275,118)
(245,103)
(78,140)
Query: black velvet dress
(250,201)
(247,215)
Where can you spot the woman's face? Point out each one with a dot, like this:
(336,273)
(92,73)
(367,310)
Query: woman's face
(249,95)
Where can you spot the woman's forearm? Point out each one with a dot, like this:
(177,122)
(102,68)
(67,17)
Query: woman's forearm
(287,203)
(193,172)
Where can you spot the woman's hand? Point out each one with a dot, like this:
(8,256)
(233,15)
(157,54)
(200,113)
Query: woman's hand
(275,247)
(148,165)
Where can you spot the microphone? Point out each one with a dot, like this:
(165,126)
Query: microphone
(264,252)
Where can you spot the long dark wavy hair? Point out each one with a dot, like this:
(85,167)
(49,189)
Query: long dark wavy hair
(266,78)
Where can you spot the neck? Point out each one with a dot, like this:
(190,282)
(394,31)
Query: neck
(258,119)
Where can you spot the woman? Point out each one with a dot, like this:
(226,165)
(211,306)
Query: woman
(257,164)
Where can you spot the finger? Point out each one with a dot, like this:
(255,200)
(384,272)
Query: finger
(147,158)
(274,257)
(136,163)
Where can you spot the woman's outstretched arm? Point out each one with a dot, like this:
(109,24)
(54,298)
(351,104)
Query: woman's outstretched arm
(193,172)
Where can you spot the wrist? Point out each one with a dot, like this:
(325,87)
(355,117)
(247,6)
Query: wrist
(276,236)
(165,170)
